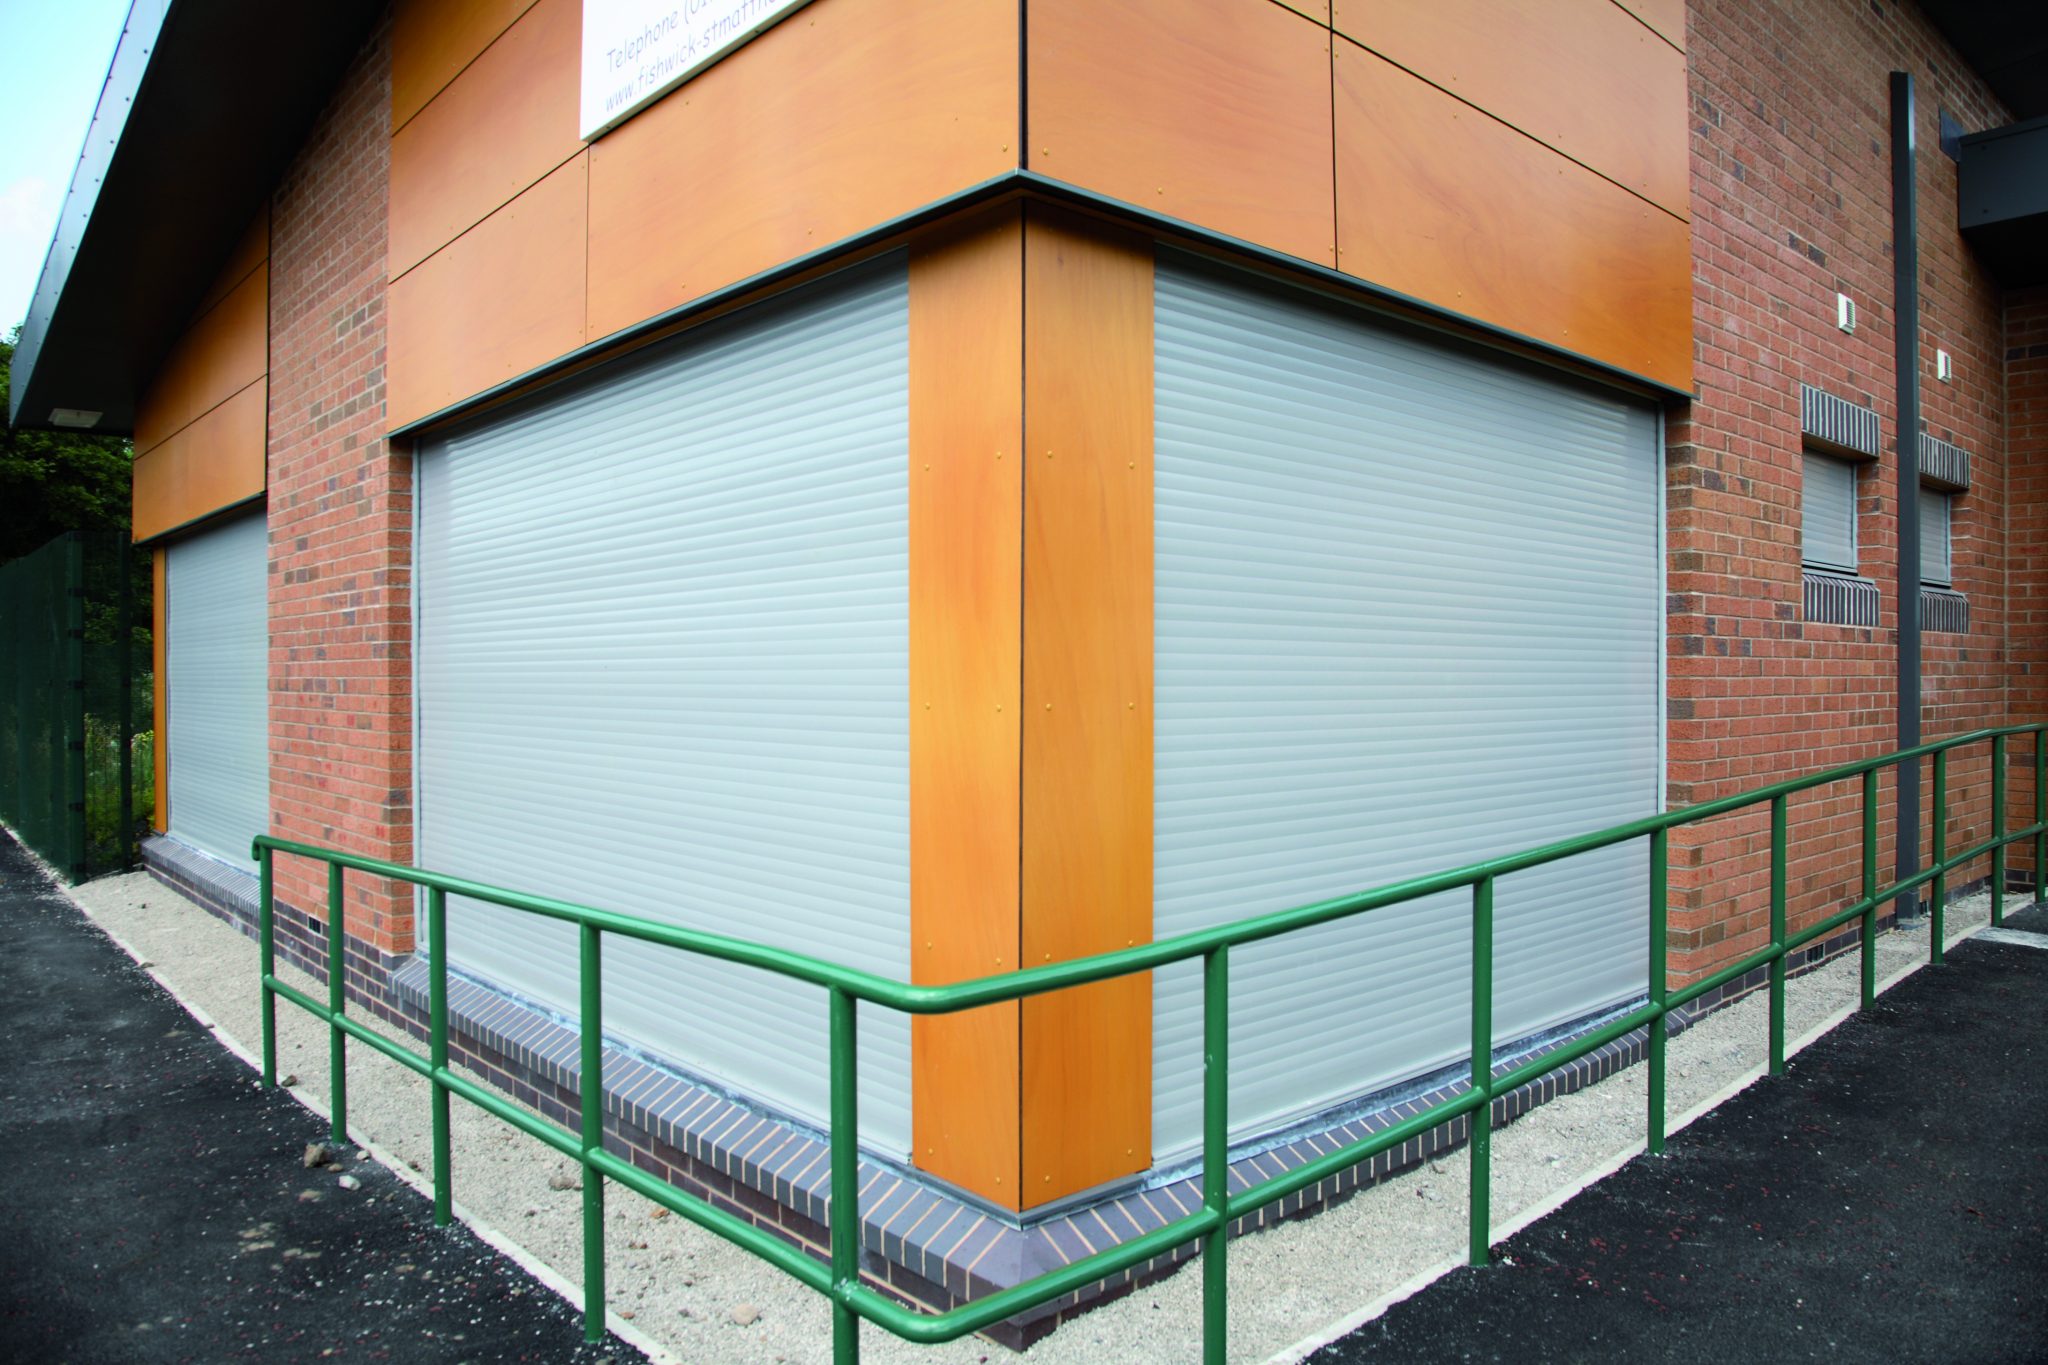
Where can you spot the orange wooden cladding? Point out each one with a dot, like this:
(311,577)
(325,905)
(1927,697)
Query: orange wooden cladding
(1214,111)
(843,116)
(966,559)
(1444,203)
(210,464)
(503,125)
(504,297)
(1582,76)
(433,40)
(160,816)
(251,250)
(226,349)
(1087,741)
(1666,17)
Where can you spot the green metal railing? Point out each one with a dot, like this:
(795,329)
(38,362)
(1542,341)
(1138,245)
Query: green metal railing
(841,1282)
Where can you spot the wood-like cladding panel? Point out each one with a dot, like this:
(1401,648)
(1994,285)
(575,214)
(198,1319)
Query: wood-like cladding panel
(1087,803)
(966,565)
(160,816)
(499,300)
(205,466)
(1446,204)
(249,252)
(223,352)
(1212,111)
(433,40)
(852,113)
(1582,76)
(1667,17)
(500,126)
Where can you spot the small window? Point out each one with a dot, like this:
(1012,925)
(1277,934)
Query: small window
(1827,524)
(1936,537)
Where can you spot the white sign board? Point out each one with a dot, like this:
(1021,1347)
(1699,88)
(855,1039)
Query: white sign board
(636,51)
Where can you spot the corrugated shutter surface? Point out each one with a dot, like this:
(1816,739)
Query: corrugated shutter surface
(1827,514)
(1934,537)
(663,633)
(1408,615)
(216,659)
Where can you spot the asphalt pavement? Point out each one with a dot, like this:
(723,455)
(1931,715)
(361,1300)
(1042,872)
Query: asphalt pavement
(155,1204)
(1885,1200)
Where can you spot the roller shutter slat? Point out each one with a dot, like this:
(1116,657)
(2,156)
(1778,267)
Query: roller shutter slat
(217,658)
(1408,615)
(663,665)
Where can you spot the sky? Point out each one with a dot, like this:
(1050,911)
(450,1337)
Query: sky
(53,61)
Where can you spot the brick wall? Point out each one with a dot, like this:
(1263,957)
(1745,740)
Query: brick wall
(2026,358)
(1791,185)
(340,516)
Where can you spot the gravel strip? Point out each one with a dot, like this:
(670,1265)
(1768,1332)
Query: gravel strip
(705,1301)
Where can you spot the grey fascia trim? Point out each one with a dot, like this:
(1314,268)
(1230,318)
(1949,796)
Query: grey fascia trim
(1018,182)
(1834,599)
(1838,426)
(126,71)
(1943,465)
(1944,609)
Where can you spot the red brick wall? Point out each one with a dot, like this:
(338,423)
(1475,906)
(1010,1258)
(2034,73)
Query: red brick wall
(340,516)
(2026,358)
(1791,184)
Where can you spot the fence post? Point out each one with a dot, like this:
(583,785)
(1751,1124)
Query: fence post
(1660,867)
(1216,1151)
(844,1135)
(1778,935)
(1480,1236)
(1869,887)
(266,949)
(437,1053)
(74,703)
(590,1090)
(1938,912)
(337,1003)
(124,658)
(1997,830)
(2041,814)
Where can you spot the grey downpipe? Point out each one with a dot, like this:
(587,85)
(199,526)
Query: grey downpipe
(1906,366)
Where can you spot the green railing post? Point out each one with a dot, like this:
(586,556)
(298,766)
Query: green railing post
(1216,1152)
(1869,887)
(266,952)
(1778,935)
(2041,814)
(437,1053)
(844,1214)
(590,1089)
(1937,913)
(337,1004)
(1480,1236)
(1997,830)
(1660,868)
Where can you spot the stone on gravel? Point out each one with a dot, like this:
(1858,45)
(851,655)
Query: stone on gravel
(745,1314)
(316,1155)
(561,1180)
(349,1182)
(289,1081)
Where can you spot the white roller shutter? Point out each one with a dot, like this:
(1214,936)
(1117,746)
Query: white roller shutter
(1408,615)
(662,625)
(1827,513)
(216,692)
(1935,566)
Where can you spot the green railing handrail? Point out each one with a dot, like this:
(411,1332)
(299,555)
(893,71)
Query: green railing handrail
(846,987)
